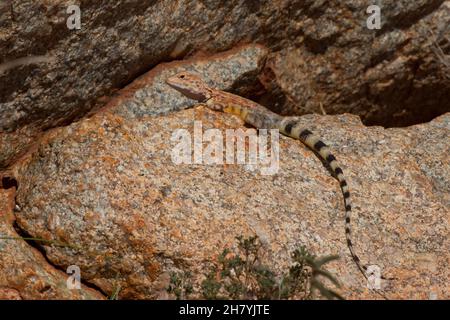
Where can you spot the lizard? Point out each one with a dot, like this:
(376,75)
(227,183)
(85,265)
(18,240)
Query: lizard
(254,114)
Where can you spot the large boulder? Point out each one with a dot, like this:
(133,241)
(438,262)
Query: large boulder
(108,187)
(25,271)
(322,54)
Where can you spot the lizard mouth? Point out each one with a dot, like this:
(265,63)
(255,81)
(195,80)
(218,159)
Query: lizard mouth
(188,93)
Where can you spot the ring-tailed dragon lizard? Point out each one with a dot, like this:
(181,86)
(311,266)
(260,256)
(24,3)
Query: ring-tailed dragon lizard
(258,116)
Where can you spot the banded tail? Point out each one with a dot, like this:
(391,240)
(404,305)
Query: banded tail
(293,129)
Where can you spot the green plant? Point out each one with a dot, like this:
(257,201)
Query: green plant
(180,284)
(241,275)
(115,293)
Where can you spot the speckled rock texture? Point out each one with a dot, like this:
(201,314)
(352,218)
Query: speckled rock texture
(118,41)
(25,274)
(395,76)
(107,186)
(322,54)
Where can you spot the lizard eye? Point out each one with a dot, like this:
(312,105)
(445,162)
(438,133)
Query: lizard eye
(182,76)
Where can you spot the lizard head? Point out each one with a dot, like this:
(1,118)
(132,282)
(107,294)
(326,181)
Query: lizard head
(191,85)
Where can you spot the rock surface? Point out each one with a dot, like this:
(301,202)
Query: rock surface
(107,186)
(117,42)
(25,274)
(395,76)
(322,53)
(105,194)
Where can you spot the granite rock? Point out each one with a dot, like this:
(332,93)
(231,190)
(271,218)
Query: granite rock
(322,55)
(108,187)
(394,76)
(25,273)
(56,75)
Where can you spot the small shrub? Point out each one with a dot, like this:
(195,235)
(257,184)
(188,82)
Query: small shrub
(180,285)
(241,275)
